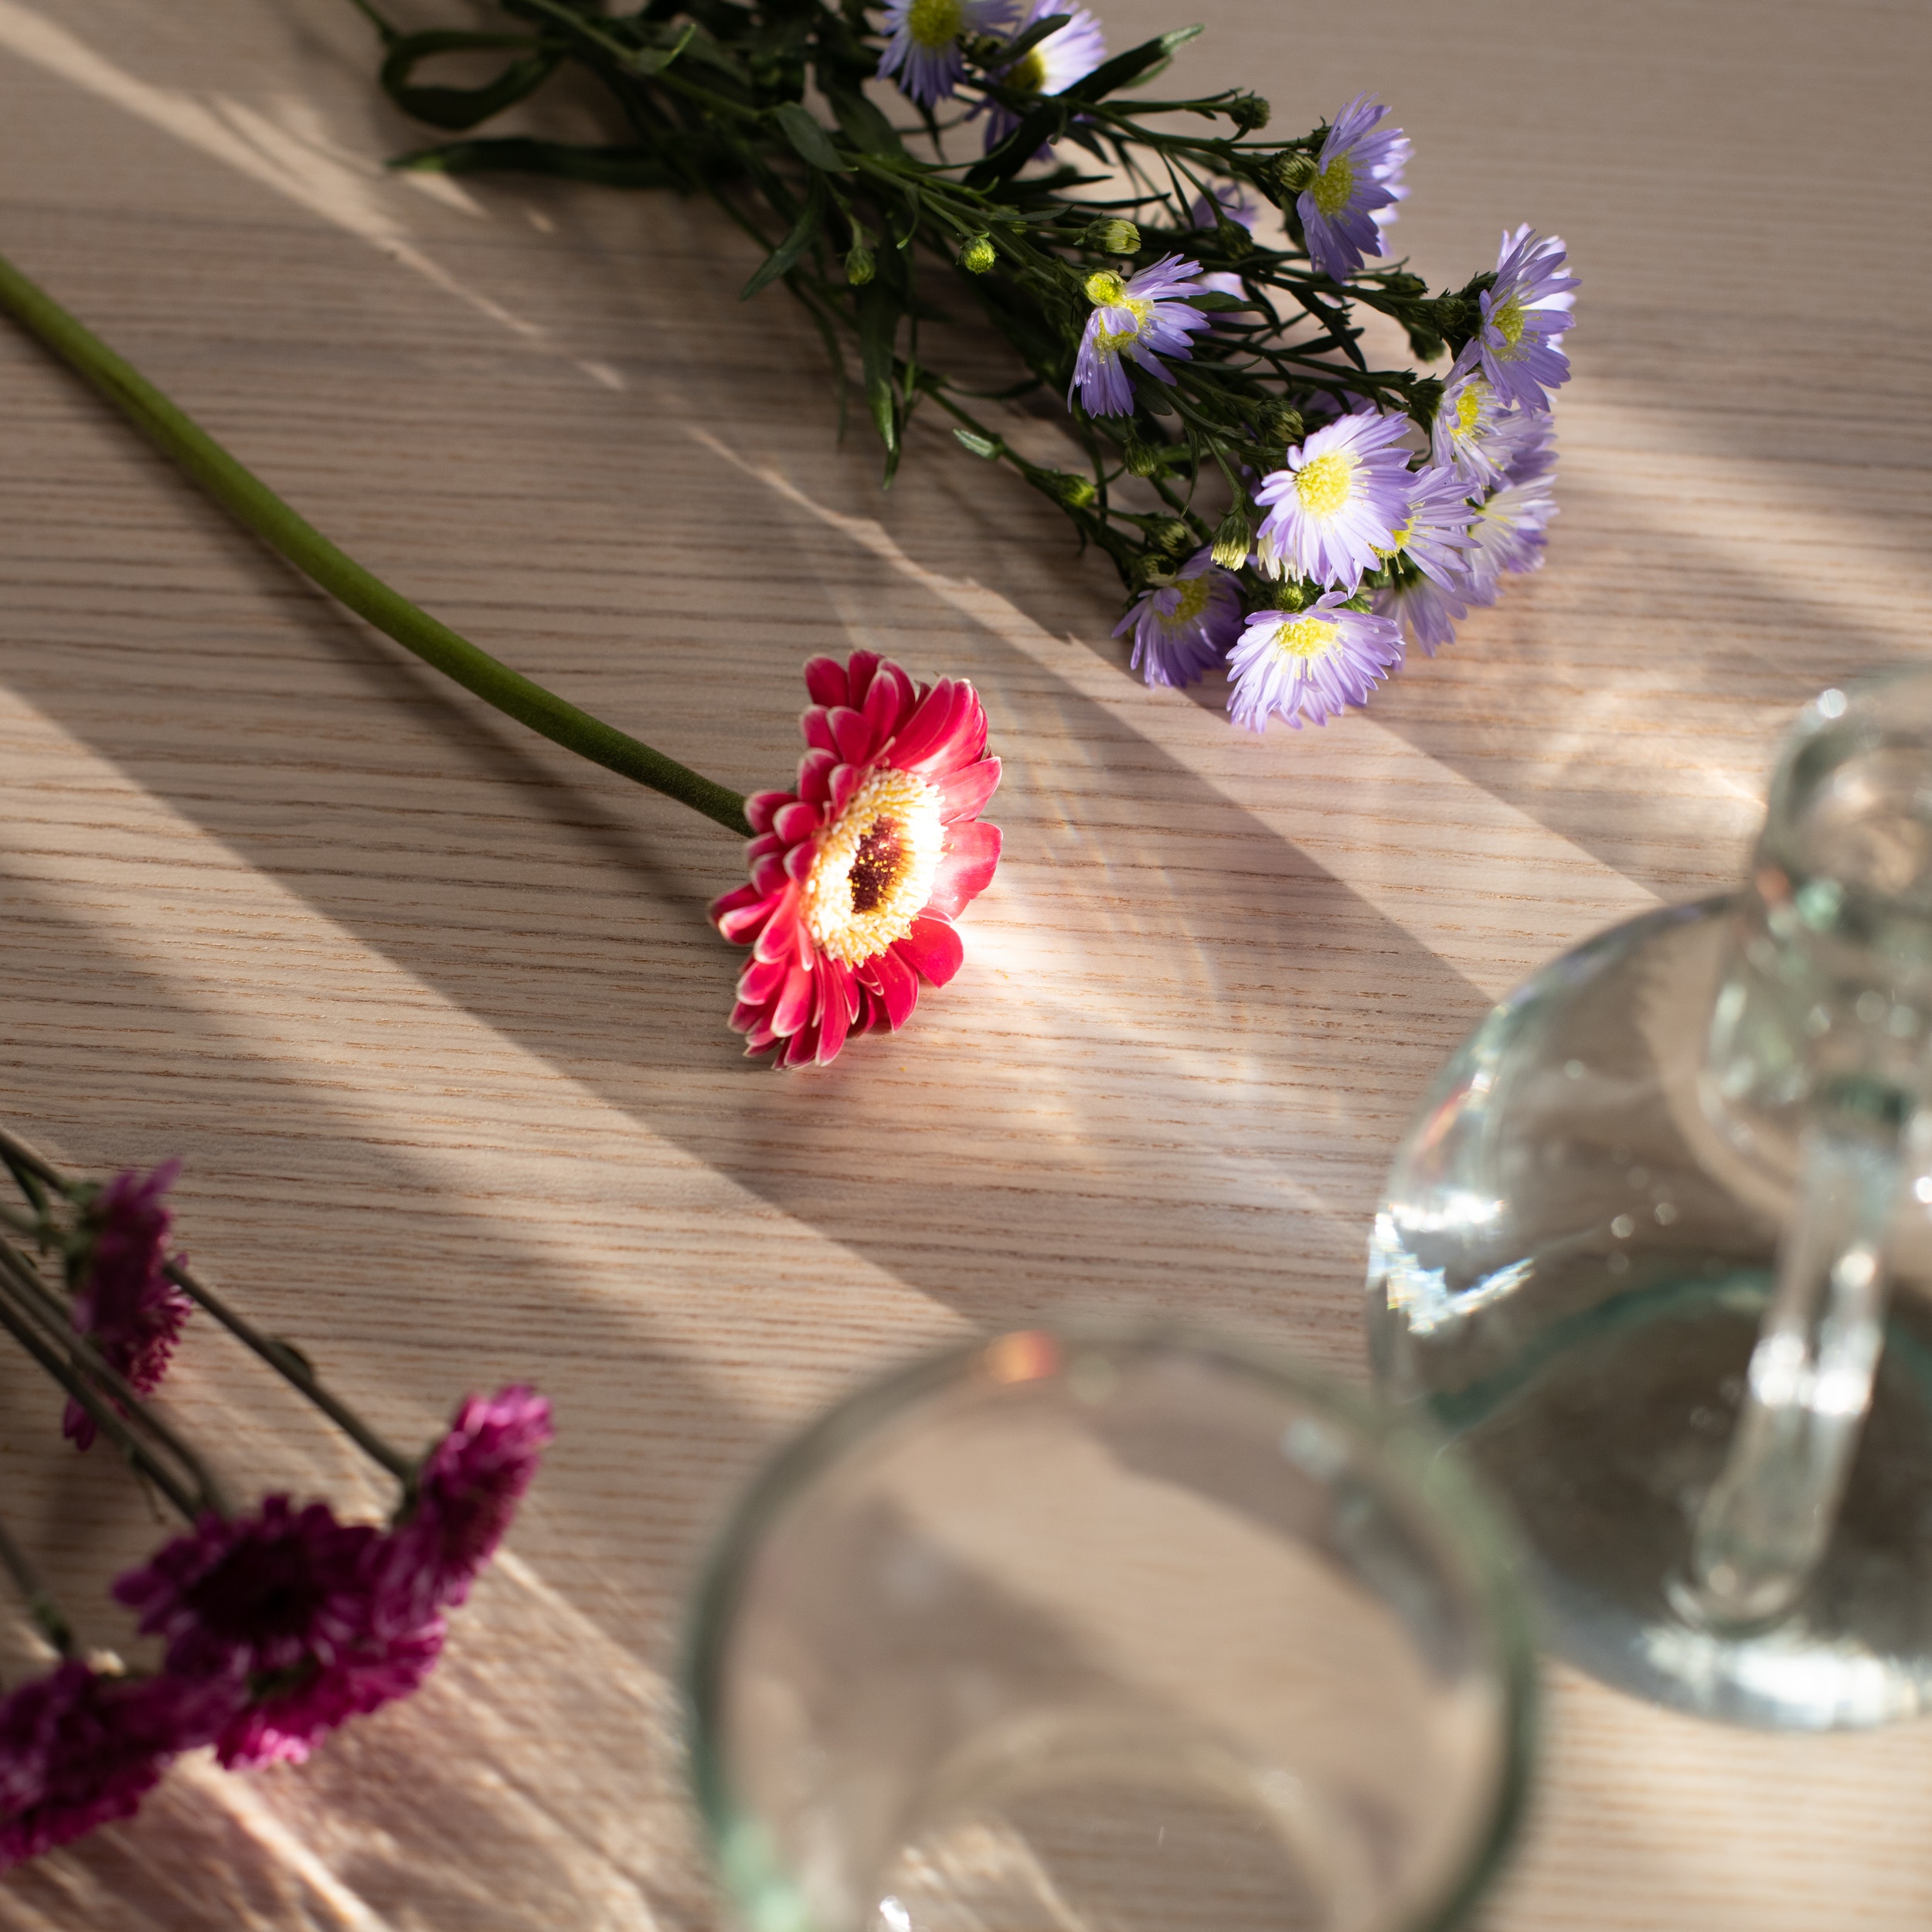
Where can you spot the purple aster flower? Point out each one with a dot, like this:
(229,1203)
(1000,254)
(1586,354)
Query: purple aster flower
(1525,445)
(1185,628)
(281,1605)
(1146,316)
(123,1303)
(1068,54)
(1337,506)
(1527,307)
(1427,613)
(78,1749)
(922,45)
(1434,536)
(1510,531)
(1309,664)
(1358,182)
(468,1492)
(1465,430)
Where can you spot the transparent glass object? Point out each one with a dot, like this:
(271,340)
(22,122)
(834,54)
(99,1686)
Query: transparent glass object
(1655,1254)
(1121,1629)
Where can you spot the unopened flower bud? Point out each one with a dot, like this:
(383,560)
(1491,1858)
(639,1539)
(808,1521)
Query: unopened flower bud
(1248,112)
(1234,538)
(1140,461)
(1296,595)
(978,256)
(1170,537)
(1152,571)
(1279,423)
(1075,491)
(1294,171)
(1114,236)
(859,266)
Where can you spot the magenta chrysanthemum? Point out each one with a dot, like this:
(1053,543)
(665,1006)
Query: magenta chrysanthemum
(1146,316)
(922,42)
(1523,313)
(1358,180)
(78,1749)
(1068,54)
(466,1493)
(1310,664)
(857,877)
(283,1607)
(123,1303)
(1337,506)
(1183,629)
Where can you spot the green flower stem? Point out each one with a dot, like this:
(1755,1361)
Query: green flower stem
(252,503)
(39,1601)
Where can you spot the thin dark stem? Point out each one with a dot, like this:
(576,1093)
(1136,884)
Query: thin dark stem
(250,501)
(288,1365)
(20,1155)
(39,1601)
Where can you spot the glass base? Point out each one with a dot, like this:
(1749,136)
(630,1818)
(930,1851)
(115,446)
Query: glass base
(1568,1273)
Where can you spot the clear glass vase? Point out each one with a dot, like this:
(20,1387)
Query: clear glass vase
(1656,1253)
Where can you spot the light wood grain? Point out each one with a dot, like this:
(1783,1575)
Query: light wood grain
(432,1011)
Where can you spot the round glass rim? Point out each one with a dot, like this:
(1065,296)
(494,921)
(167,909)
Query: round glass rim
(1404,1455)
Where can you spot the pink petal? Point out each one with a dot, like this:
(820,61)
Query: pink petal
(793,1006)
(826,681)
(859,667)
(761,806)
(835,981)
(768,872)
(812,770)
(947,730)
(962,794)
(757,1038)
(853,736)
(797,821)
(972,854)
(888,702)
(798,861)
(782,935)
(817,729)
(802,1047)
(845,781)
(760,980)
(933,948)
(896,986)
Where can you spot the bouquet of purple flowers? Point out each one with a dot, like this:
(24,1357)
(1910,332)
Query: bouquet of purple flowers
(1183,296)
(276,1622)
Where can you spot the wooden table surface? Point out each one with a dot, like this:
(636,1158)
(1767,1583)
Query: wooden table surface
(431,1010)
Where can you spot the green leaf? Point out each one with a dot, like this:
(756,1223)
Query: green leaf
(653,60)
(864,126)
(807,134)
(1041,124)
(784,258)
(1021,48)
(1213,301)
(879,313)
(457,108)
(523,155)
(1125,68)
(985,445)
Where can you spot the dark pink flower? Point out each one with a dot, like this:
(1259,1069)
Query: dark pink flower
(78,1749)
(282,1606)
(123,1303)
(466,1493)
(857,877)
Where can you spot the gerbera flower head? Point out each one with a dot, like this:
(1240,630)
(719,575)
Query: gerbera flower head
(1185,628)
(1434,536)
(1509,530)
(282,1607)
(1523,313)
(1068,54)
(123,1303)
(466,1493)
(1339,504)
(1358,180)
(1309,664)
(1145,316)
(857,875)
(922,43)
(79,1749)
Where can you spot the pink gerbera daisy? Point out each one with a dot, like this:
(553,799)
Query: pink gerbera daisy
(857,877)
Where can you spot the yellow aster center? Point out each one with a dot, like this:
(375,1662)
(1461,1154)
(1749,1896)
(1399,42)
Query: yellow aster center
(1306,637)
(1028,74)
(1469,405)
(1190,599)
(1396,540)
(936,23)
(1507,321)
(875,868)
(1333,186)
(1325,484)
(1106,290)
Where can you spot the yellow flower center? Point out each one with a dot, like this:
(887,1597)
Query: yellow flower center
(1333,186)
(1325,485)
(1028,74)
(1106,290)
(1469,405)
(1190,599)
(1306,637)
(875,868)
(1507,321)
(936,23)
(1396,540)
